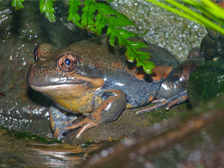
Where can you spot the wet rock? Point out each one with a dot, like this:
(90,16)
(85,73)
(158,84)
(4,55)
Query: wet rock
(212,48)
(193,140)
(206,82)
(212,44)
(195,53)
(208,48)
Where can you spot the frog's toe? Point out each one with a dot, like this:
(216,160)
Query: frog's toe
(85,124)
(58,134)
(177,99)
(155,107)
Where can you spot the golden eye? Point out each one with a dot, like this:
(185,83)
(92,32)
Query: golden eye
(67,63)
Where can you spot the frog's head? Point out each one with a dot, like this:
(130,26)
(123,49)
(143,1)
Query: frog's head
(62,75)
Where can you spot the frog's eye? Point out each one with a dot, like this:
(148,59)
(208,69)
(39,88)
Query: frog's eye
(67,63)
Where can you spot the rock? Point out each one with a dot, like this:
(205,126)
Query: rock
(206,83)
(212,44)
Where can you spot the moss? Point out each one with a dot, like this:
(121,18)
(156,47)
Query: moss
(162,114)
(207,82)
(28,136)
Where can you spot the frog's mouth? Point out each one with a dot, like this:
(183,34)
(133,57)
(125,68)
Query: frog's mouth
(69,89)
(58,88)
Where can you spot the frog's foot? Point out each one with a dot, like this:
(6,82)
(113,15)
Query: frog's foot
(85,124)
(177,99)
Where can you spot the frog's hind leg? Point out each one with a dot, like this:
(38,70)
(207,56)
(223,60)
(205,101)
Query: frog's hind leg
(177,99)
(58,120)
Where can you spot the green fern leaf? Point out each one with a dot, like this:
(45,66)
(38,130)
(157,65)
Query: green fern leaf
(108,11)
(100,23)
(73,8)
(112,34)
(144,55)
(88,15)
(147,67)
(17,4)
(46,6)
(141,57)
(137,45)
(129,53)
(124,35)
(132,52)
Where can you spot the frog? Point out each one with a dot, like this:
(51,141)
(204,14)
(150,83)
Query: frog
(93,79)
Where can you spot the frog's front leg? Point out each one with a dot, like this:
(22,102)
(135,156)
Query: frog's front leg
(112,105)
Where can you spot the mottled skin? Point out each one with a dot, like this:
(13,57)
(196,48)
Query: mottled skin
(94,79)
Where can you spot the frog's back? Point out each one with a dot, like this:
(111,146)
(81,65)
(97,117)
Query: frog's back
(110,63)
(98,53)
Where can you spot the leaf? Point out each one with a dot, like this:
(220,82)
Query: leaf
(129,53)
(112,37)
(137,44)
(141,57)
(108,11)
(88,15)
(17,4)
(73,8)
(126,34)
(100,24)
(46,6)
(147,67)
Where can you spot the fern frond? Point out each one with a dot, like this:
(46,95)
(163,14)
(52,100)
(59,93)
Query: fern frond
(87,21)
(114,30)
(141,57)
(46,6)
(100,24)
(73,16)
(17,4)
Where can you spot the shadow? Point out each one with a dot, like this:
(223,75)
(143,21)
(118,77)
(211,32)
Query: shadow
(38,98)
